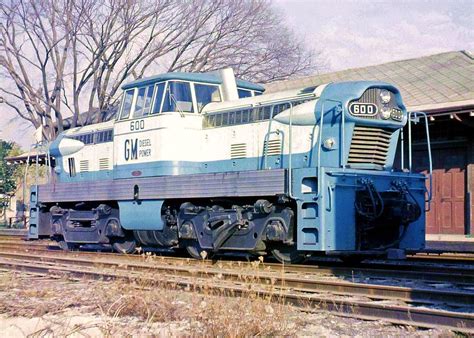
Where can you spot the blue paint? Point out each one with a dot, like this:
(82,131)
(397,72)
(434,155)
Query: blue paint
(164,168)
(326,218)
(212,78)
(327,222)
(339,95)
(54,146)
(33,230)
(141,215)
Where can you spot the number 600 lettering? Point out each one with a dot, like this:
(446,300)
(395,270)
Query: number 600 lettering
(137,125)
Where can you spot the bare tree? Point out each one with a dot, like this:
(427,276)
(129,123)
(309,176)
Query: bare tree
(61,58)
(34,42)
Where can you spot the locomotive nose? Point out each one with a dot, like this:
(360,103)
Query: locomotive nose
(65,146)
(300,115)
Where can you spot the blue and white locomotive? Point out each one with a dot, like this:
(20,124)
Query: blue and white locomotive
(208,163)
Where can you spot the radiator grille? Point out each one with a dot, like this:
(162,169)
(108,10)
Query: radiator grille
(370,96)
(104,164)
(272,147)
(238,150)
(370,145)
(84,166)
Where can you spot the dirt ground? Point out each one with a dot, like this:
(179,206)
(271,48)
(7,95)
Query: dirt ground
(38,306)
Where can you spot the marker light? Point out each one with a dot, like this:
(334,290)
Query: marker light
(385,96)
(386,111)
(329,143)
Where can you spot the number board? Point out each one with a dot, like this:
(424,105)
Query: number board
(396,114)
(363,109)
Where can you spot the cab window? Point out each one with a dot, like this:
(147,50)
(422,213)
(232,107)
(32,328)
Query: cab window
(160,89)
(178,97)
(127,104)
(244,93)
(143,102)
(206,94)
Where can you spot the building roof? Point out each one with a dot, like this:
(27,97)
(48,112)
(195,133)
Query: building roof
(211,77)
(28,158)
(430,83)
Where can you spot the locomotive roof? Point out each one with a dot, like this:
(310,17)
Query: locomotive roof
(211,77)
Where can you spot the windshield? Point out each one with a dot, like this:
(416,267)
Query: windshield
(178,97)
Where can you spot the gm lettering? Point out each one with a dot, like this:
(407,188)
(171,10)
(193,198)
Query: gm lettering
(135,149)
(131,149)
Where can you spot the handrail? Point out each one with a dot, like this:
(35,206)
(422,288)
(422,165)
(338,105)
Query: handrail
(402,150)
(266,139)
(290,153)
(428,144)
(320,141)
(409,143)
(290,147)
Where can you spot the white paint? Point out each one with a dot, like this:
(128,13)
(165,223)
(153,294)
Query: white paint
(69,146)
(229,85)
(300,115)
(175,137)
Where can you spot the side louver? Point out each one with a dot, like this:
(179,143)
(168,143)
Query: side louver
(238,150)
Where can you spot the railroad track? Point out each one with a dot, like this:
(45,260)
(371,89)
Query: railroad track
(402,305)
(12,232)
(443,258)
(396,270)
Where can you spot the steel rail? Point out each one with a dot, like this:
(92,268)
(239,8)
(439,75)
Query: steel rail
(308,282)
(430,274)
(443,256)
(394,313)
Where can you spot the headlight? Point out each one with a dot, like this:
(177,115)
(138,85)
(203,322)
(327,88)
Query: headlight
(386,111)
(385,96)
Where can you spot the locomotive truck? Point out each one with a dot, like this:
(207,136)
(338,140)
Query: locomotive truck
(211,164)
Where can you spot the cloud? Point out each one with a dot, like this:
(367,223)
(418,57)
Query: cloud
(357,34)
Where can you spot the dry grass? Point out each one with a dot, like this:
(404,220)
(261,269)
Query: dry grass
(153,307)
(200,311)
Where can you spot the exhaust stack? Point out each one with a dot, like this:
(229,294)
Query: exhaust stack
(229,85)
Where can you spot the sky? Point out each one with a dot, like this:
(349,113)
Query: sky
(361,33)
(352,33)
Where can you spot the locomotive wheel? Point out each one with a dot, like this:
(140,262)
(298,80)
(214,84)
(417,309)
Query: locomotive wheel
(124,245)
(195,251)
(67,246)
(287,254)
